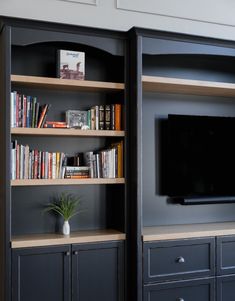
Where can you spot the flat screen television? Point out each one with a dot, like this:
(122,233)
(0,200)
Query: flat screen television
(200,158)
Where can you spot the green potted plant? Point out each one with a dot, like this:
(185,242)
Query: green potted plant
(66,205)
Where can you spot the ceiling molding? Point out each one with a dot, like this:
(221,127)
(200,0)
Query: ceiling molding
(88,2)
(141,7)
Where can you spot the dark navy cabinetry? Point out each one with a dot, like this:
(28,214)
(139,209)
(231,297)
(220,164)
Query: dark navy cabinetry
(175,260)
(179,270)
(36,261)
(85,272)
(41,274)
(186,290)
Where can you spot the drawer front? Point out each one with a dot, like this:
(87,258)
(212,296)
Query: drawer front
(225,288)
(187,290)
(225,255)
(175,260)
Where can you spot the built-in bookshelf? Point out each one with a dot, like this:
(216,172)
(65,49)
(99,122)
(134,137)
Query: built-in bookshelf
(187,86)
(65,84)
(66,132)
(96,93)
(88,236)
(51,182)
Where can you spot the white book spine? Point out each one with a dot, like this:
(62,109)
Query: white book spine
(26,163)
(13,164)
(30,165)
(53,165)
(96,117)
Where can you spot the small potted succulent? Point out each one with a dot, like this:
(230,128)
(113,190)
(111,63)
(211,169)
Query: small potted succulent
(66,206)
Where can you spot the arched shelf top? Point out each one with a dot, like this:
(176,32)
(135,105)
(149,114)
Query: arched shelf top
(28,36)
(167,46)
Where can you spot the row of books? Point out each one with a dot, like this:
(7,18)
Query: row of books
(99,117)
(36,164)
(107,163)
(26,111)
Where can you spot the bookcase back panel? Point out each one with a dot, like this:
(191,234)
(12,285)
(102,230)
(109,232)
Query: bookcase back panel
(99,203)
(200,67)
(157,209)
(178,44)
(42,60)
(108,42)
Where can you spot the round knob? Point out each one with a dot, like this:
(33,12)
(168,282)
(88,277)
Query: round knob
(75,253)
(67,253)
(179,299)
(180,260)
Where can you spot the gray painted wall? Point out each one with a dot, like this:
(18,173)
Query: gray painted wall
(214,18)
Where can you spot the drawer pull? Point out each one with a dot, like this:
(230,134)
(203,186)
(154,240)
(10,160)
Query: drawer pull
(75,253)
(179,299)
(67,254)
(180,260)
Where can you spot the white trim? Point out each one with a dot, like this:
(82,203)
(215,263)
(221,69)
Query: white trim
(88,2)
(147,9)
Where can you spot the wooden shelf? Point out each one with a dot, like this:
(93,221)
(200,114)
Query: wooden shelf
(39,240)
(187,86)
(66,84)
(47,182)
(188,231)
(66,132)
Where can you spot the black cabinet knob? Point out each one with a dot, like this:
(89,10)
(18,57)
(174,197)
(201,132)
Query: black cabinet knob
(180,260)
(75,253)
(67,253)
(179,299)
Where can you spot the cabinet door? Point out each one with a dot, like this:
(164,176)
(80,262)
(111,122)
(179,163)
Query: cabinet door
(178,259)
(225,255)
(41,274)
(98,272)
(187,290)
(225,288)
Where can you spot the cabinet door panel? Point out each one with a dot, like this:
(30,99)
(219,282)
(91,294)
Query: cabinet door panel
(226,288)
(189,290)
(179,259)
(225,255)
(98,272)
(41,274)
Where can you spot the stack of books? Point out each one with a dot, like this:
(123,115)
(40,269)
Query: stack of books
(27,112)
(35,164)
(76,172)
(107,163)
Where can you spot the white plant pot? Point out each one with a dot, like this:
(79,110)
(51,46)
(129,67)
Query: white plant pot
(66,228)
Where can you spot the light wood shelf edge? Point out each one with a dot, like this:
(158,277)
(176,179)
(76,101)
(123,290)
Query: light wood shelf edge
(187,86)
(85,236)
(47,182)
(187,231)
(49,82)
(66,132)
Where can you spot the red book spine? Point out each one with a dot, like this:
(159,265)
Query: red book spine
(61,126)
(24,110)
(43,165)
(35,164)
(17,110)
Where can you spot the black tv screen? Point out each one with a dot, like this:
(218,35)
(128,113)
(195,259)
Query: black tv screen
(200,156)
